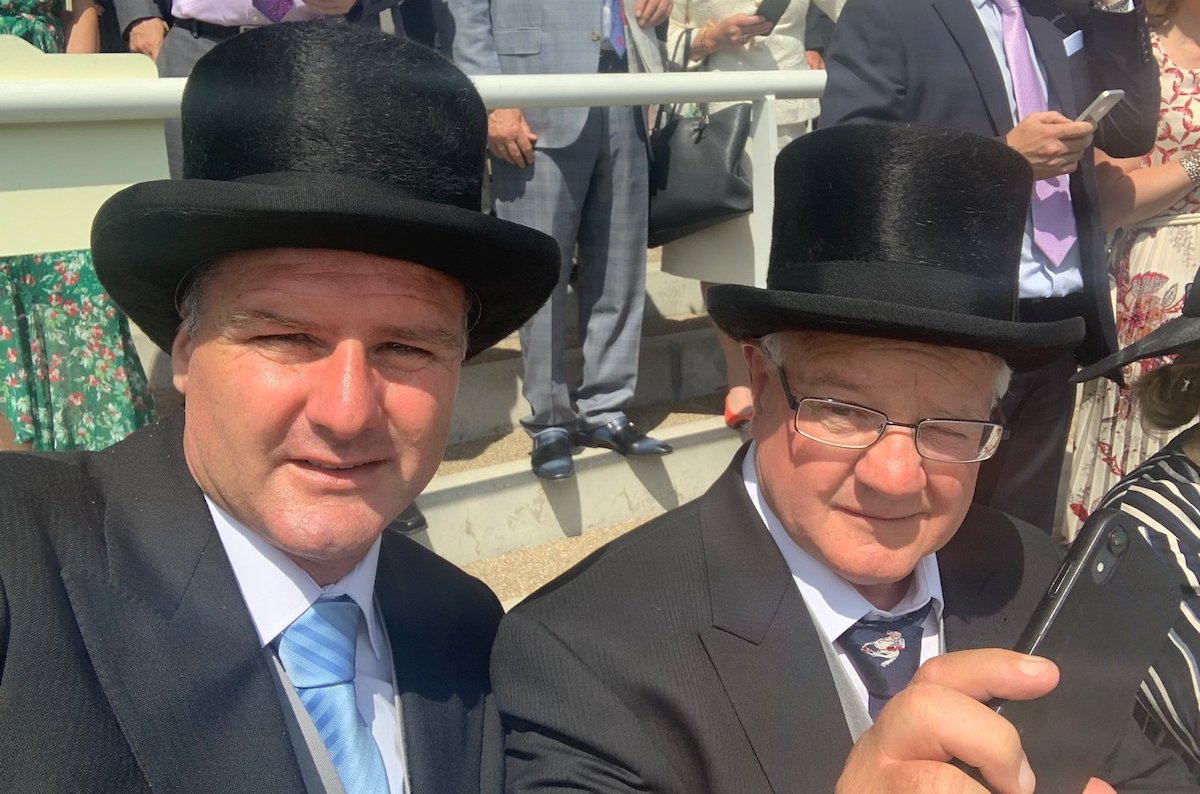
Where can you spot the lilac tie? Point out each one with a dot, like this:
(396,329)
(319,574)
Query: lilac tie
(273,10)
(1053,217)
(616,27)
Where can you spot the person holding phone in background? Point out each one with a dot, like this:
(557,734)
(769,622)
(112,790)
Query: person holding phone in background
(1153,204)
(739,35)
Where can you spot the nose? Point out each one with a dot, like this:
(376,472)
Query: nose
(891,466)
(343,394)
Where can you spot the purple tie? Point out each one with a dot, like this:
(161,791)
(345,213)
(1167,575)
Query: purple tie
(616,27)
(273,10)
(1053,217)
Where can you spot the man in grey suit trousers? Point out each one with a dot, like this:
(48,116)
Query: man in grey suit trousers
(578,174)
(217,603)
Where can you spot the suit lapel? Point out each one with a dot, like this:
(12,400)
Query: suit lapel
(441,691)
(168,634)
(963,23)
(990,581)
(1048,47)
(765,648)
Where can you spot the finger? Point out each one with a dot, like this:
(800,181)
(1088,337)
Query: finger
(1095,786)
(1074,129)
(990,673)
(927,722)
(525,147)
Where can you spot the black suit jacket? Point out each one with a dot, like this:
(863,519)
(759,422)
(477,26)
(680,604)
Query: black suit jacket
(681,658)
(930,62)
(129,662)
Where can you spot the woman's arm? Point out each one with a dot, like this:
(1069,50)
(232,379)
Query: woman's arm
(82,25)
(1130,192)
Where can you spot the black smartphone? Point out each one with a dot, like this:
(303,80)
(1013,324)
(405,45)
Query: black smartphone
(771,10)
(1103,621)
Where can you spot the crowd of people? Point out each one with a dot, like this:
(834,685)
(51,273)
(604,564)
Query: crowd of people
(213,602)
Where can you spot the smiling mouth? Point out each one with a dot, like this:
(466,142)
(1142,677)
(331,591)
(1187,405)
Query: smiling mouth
(337,468)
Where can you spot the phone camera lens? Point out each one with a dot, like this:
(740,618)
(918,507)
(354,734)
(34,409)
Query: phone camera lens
(1118,542)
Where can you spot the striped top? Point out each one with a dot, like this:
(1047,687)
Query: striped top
(1163,494)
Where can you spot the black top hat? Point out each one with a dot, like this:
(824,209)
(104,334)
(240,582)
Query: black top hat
(898,231)
(324,135)
(1170,337)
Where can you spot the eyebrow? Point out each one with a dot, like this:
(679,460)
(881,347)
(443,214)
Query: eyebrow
(836,381)
(246,317)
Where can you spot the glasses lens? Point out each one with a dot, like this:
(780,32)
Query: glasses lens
(838,423)
(956,441)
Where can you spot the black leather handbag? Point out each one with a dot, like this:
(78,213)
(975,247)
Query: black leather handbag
(695,176)
(696,179)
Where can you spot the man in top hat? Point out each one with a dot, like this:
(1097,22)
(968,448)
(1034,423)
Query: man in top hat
(743,642)
(214,604)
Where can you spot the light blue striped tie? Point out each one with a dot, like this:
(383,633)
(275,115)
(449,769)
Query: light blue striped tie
(317,651)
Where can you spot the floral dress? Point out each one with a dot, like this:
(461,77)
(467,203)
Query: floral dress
(36,21)
(70,377)
(1151,266)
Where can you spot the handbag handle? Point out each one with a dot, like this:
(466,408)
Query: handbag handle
(667,111)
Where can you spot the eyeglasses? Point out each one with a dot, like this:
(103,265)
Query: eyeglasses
(850,426)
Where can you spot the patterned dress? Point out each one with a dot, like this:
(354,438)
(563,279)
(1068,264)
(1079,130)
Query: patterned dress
(70,377)
(1163,494)
(1151,265)
(36,21)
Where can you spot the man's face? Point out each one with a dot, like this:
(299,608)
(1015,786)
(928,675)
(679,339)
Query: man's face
(318,388)
(869,514)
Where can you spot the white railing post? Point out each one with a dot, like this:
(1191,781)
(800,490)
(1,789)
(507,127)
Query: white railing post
(763,145)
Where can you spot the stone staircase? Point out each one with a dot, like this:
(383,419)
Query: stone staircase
(485,501)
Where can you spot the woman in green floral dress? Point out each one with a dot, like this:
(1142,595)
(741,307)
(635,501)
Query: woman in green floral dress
(69,375)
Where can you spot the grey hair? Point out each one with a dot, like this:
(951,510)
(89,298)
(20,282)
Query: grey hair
(772,347)
(189,303)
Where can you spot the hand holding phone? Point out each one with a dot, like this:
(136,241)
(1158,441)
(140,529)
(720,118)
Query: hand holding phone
(1103,620)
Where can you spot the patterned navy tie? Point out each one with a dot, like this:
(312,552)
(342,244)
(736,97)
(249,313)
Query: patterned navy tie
(317,651)
(886,654)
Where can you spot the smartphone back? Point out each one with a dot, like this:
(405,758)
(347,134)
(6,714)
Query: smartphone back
(772,10)
(1103,621)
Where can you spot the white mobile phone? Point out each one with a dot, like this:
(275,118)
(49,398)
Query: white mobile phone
(1104,102)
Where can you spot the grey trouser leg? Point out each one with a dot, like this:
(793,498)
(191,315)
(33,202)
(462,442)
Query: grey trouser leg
(590,196)
(179,53)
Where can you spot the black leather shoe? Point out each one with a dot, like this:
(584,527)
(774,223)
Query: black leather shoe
(411,519)
(621,436)
(552,455)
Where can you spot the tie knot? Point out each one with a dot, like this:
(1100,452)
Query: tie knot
(1008,6)
(317,649)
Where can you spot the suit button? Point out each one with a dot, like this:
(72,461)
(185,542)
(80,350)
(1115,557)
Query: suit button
(595,35)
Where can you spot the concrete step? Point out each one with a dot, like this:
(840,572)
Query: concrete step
(485,511)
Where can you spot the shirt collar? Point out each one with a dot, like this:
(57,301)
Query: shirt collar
(833,602)
(277,590)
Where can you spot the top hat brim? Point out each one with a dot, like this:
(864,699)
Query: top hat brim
(1168,338)
(751,313)
(149,239)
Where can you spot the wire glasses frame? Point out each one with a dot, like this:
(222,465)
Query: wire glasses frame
(850,426)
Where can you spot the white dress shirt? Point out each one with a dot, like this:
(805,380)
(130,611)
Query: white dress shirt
(1038,278)
(277,591)
(833,603)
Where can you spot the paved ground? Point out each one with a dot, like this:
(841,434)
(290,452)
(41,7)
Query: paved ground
(517,574)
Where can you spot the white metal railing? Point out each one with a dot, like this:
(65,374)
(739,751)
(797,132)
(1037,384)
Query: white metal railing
(75,101)
(42,101)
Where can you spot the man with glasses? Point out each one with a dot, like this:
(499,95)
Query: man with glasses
(746,642)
